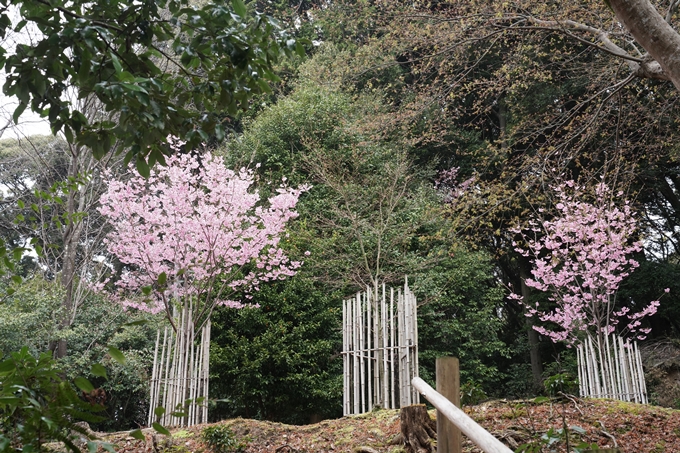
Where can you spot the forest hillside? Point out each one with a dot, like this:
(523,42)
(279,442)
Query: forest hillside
(223,175)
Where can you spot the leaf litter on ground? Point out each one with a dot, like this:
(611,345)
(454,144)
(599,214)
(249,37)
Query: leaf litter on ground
(633,428)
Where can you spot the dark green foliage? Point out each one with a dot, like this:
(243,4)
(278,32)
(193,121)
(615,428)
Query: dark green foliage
(127,387)
(462,318)
(216,55)
(472,393)
(518,382)
(280,361)
(30,318)
(555,437)
(281,135)
(561,383)
(647,283)
(221,439)
(38,406)
(322,134)
(368,201)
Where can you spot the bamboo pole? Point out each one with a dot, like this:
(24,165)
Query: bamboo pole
(345,389)
(392,350)
(624,369)
(198,345)
(617,372)
(154,378)
(377,362)
(602,368)
(203,376)
(172,340)
(596,369)
(357,403)
(641,373)
(198,411)
(385,397)
(189,365)
(416,365)
(589,368)
(367,331)
(405,394)
(173,371)
(586,371)
(362,369)
(633,372)
(179,398)
(622,374)
(633,381)
(180,366)
(589,378)
(176,367)
(610,372)
(400,342)
(206,392)
(407,344)
(198,393)
(579,367)
(190,371)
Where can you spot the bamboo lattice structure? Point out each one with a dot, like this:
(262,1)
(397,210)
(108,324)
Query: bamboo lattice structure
(610,367)
(380,349)
(180,375)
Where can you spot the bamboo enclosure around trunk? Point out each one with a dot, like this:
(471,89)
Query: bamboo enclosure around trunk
(609,367)
(179,378)
(380,349)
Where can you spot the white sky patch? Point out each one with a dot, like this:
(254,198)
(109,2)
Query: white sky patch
(30,123)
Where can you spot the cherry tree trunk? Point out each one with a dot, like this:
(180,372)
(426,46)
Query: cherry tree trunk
(417,429)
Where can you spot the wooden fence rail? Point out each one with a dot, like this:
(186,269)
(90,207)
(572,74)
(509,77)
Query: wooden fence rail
(484,439)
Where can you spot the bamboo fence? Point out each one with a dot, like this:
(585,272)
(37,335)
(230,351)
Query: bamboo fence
(179,378)
(610,367)
(380,349)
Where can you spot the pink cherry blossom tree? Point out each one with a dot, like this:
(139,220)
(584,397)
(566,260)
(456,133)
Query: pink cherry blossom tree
(191,235)
(580,258)
(194,230)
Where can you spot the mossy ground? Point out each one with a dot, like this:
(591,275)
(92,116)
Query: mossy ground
(634,428)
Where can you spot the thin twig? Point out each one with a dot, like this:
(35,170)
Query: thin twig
(572,398)
(606,433)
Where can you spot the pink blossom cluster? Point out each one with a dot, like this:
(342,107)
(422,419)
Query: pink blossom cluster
(581,259)
(199,227)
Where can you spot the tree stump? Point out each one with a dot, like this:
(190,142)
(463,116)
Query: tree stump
(417,429)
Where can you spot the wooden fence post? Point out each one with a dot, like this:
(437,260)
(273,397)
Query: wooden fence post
(448,385)
(484,439)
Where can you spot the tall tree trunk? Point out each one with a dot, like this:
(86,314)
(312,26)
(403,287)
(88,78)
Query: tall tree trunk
(503,122)
(70,239)
(653,33)
(534,352)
